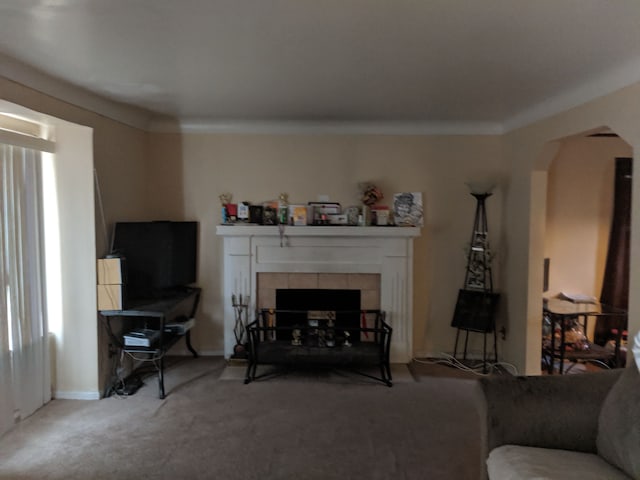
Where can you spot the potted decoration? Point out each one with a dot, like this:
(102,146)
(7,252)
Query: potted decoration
(369,195)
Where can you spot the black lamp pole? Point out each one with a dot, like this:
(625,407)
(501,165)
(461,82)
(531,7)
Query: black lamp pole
(478,275)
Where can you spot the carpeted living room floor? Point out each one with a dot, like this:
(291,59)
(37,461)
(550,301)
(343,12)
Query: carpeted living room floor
(292,425)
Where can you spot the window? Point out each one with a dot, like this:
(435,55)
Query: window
(24,369)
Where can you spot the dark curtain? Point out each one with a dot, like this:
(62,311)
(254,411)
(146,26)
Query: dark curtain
(615,285)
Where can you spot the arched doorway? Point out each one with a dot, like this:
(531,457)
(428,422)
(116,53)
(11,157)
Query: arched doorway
(581,186)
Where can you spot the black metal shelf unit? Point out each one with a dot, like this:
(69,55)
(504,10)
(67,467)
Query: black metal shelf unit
(179,305)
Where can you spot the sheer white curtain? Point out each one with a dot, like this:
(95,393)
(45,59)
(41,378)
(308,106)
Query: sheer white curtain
(24,360)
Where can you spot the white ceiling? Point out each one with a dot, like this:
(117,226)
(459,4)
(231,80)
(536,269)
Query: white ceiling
(492,64)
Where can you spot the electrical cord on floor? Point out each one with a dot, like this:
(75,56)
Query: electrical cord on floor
(451,361)
(118,388)
(125,387)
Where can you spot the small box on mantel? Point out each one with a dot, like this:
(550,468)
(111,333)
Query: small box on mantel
(110,271)
(298,214)
(110,297)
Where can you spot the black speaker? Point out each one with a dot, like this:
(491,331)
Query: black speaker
(475,311)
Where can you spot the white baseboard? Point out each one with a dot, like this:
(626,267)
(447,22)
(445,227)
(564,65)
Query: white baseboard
(62,395)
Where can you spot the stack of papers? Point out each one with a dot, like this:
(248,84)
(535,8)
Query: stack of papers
(577,297)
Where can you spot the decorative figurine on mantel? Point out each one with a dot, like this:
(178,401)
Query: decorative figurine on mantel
(283,217)
(283,209)
(330,338)
(369,195)
(297,337)
(225,199)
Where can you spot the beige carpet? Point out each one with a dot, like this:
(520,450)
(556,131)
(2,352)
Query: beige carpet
(237,371)
(281,427)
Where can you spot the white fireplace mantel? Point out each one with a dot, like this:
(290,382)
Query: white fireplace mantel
(388,251)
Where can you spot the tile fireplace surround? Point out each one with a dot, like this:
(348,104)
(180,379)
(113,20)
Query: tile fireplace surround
(376,260)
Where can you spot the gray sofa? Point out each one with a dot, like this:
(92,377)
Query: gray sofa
(584,426)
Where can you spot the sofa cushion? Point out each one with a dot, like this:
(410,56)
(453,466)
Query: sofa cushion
(618,439)
(515,462)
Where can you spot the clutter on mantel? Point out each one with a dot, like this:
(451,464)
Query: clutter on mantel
(406,210)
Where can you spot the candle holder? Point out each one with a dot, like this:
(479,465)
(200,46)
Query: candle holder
(241,310)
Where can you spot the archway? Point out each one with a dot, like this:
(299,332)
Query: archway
(576,185)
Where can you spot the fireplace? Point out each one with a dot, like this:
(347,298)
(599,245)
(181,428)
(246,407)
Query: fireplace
(302,305)
(376,261)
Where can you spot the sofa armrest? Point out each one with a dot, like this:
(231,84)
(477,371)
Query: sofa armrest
(544,411)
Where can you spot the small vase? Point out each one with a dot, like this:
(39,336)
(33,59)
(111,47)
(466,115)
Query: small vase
(366,215)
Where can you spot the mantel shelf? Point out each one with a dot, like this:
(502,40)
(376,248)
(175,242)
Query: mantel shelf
(317,231)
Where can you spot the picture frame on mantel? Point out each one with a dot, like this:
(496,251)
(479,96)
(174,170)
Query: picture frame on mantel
(256,214)
(408,209)
(269,214)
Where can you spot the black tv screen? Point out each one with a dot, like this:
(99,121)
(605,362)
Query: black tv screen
(158,256)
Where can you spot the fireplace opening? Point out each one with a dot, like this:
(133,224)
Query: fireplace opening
(312,304)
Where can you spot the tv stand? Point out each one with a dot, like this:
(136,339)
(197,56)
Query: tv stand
(178,306)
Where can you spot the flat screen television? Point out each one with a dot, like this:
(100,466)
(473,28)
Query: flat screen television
(158,256)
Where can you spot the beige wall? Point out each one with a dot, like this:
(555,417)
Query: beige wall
(253,169)
(579,210)
(258,168)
